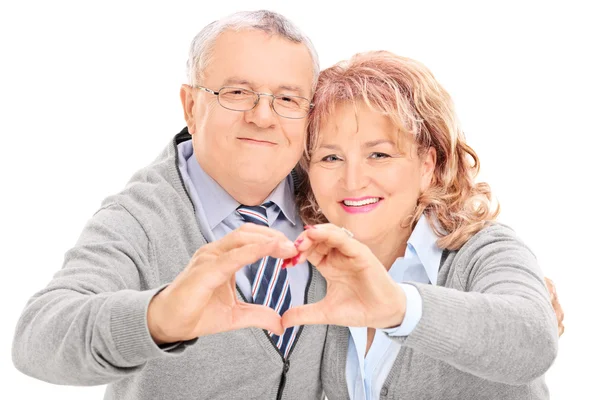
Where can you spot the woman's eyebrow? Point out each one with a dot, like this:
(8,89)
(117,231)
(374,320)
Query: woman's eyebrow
(374,143)
(329,146)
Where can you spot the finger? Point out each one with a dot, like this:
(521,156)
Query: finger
(303,242)
(309,255)
(239,257)
(334,237)
(309,249)
(258,316)
(250,227)
(308,245)
(560,315)
(247,234)
(550,286)
(305,247)
(310,314)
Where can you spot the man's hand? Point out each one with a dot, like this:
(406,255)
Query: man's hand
(202,298)
(560,315)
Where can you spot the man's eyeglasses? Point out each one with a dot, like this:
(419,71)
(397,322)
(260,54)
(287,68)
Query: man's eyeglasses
(238,99)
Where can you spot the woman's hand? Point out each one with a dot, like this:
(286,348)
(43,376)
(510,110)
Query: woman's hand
(359,290)
(560,315)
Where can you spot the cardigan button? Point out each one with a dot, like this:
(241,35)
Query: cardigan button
(384,391)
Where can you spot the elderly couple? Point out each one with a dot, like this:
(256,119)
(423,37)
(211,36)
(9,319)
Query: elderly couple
(305,235)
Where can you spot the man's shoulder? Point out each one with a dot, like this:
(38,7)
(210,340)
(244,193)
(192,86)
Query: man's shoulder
(156,189)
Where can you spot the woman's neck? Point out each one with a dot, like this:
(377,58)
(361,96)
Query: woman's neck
(389,247)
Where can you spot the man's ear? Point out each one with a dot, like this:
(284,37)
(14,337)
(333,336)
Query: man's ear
(428,168)
(186,93)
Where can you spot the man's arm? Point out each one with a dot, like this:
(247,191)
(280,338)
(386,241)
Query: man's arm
(93,325)
(88,326)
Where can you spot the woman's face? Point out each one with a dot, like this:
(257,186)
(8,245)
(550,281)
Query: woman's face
(366,176)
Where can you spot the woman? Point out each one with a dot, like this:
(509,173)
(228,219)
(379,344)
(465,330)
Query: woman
(387,161)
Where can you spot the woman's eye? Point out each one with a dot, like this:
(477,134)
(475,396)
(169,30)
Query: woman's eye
(378,156)
(330,158)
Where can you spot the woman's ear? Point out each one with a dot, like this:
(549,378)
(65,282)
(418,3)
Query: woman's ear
(428,168)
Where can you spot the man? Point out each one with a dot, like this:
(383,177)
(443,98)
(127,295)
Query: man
(160,298)
(104,318)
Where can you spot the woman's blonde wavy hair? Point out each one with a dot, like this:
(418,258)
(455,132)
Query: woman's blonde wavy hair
(405,91)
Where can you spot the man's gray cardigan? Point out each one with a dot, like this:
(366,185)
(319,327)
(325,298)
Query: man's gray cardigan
(88,326)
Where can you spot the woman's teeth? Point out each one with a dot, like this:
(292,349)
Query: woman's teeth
(359,203)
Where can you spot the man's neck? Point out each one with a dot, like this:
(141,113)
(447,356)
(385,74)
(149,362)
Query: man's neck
(246,193)
(249,195)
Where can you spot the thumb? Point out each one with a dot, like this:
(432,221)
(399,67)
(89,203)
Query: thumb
(258,316)
(310,314)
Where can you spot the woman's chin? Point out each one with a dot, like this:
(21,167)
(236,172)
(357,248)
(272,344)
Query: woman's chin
(361,234)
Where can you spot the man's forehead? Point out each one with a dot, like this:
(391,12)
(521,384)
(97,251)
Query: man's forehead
(256,59)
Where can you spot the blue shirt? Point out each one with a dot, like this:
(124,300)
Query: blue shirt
(217,216)
(365,376)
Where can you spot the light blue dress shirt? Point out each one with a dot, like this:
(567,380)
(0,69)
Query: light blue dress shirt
(216,214)
(366,375)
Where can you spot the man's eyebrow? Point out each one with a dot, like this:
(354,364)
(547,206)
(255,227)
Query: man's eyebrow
(290,88)
(236,81)
(244,82)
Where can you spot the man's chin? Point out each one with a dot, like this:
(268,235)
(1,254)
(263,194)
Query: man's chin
(262,176)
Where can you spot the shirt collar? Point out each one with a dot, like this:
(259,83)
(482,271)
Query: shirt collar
(283,197)
(422,243)
(218,204)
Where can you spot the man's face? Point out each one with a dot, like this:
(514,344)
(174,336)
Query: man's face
(252,151)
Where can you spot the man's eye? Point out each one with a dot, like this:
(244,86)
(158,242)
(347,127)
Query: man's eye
(379,156)
(330,158)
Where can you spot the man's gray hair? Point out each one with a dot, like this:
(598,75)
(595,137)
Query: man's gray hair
(266,21)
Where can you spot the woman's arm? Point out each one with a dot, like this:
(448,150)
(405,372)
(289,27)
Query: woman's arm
(502,327)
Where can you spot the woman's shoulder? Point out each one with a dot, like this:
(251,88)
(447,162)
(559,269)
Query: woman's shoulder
(495,246)
(495,236)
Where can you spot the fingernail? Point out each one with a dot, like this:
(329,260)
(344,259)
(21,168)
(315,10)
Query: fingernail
(290,262)
(309,227)
(298,242)
(295,260)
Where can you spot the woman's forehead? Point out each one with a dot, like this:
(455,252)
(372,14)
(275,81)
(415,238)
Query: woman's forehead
(358,121)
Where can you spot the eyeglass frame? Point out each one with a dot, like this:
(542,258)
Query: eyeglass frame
(258,94)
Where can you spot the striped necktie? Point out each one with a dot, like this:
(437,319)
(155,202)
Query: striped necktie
(270,286)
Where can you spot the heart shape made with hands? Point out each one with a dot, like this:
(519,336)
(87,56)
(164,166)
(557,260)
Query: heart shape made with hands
(360,292)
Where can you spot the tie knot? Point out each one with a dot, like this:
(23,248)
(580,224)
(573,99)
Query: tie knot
(255,214)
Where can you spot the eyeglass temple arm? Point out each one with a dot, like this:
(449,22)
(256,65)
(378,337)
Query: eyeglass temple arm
(207,90)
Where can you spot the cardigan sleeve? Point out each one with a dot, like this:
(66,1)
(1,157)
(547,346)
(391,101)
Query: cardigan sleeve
(501,327)
(89,326)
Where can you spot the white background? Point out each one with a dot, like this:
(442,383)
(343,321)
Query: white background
(89,92)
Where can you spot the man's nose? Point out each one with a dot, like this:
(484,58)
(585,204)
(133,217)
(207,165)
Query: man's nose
(262,115)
